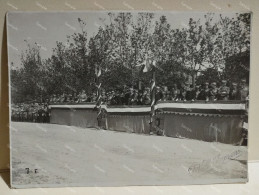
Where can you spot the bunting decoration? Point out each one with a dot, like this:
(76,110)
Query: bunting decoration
(149,66)
(153,100)
(99,98)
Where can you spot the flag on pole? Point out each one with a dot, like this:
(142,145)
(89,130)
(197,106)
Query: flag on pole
(98,72)
(153,100)
(149,65)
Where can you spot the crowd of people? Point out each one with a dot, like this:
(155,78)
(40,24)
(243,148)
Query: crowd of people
(39,112)
(30,112)
(186,92)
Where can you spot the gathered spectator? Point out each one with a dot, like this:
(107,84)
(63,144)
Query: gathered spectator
(204,93)
(175,93)
(183,91)
(82,96)
(192,92)
(134,98)
(188,89)
(243,91)
(30,112)
(129,96)
(159,94)
(223,91)
(213,93)
(104,97)
(146,99)
(196,92)
(233,92)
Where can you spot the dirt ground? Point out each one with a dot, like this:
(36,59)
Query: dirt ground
(73,156)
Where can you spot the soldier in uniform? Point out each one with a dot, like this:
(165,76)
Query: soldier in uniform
(213,93)
(233,92)
(243,91)
(223,91)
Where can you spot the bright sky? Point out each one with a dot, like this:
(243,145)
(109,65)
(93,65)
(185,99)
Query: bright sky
(46,28)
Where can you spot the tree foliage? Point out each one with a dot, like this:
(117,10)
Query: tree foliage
(204,51)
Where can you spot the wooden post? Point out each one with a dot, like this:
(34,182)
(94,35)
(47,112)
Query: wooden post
(153,99)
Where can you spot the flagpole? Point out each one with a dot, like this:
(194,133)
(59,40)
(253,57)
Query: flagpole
(153,99)
(98,100)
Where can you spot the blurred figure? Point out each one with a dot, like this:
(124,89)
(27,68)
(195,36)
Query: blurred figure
(166,94)
(183,92)
(109,97)
(159,94)
(243,91)
(204,93)
(196,92)
(54,98)
(93,97)
(51,100)
(122,98)
(59,99)
(189,92)
(70,98)
(175,93)
(129,96)
(104,97)
(134,100)
(75,97)
(146,98)
(83,96)
(233,92)
(223,91)
(112,99)
(140,97)
(213,93)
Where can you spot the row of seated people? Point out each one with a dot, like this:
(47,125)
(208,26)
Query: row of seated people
(130,96)
(39,112)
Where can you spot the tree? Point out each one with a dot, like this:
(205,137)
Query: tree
(238,67)
(30,74)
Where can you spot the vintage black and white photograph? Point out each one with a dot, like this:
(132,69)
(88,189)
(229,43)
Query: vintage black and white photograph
(122,98)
